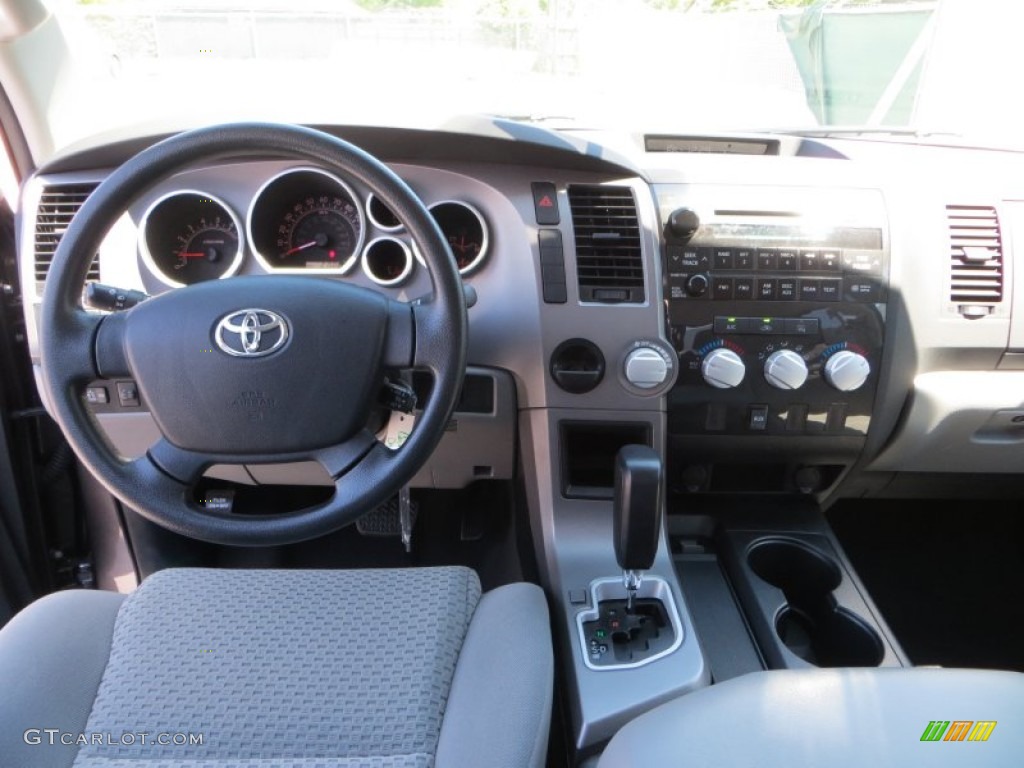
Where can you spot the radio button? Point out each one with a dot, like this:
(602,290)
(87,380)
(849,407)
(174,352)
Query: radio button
(863,290)
(830,290)
(787,289)
(865,262)
(810,260)
(744,259)
(810,290)
(788,260)
(721,288)
(743,288)
(722,258)
(766,289)
(767,260)
(831,260)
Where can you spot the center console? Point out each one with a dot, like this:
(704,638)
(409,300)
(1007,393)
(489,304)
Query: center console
(775,301)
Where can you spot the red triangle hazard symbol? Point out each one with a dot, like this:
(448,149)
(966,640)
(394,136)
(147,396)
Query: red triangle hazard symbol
(545,202)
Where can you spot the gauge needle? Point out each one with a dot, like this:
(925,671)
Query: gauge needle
(210,254)
(320,239)
(298,248)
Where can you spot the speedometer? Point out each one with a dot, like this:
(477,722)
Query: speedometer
(306,220)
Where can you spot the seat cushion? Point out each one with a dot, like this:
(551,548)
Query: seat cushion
(841,718)
(52,657)
(271,669)
(322,668)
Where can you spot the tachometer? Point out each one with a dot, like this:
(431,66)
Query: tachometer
(306,220)
(187,237)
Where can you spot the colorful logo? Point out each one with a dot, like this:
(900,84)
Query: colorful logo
(958,730)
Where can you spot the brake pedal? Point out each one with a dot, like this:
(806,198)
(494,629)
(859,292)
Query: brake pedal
(386,520)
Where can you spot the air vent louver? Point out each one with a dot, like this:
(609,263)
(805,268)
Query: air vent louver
(57,205)
(975,259)
(609,262)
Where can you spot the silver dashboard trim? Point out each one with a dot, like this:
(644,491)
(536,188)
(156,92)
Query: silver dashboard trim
(612,589)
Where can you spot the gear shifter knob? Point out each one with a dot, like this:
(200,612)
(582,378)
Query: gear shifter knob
(637,506)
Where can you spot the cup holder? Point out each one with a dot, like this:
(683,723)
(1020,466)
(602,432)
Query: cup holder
(811,624)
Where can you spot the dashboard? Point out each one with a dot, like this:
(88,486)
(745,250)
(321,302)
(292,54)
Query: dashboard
(817,316)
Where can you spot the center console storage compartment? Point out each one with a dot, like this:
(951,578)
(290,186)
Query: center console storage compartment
(588,451)
(802,605)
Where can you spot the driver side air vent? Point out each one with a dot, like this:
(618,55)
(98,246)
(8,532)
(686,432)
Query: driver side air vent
(57,206)
(975,259)
(609,261)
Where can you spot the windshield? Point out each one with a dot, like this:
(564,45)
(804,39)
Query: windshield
(670,66)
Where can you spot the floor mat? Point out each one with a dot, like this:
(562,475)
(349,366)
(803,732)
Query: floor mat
(947,576)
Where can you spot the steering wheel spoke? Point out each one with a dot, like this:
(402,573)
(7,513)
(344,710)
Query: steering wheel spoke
(400,341)
(78,360)
(110,358)
(431,350)
(185,467)
(339,459)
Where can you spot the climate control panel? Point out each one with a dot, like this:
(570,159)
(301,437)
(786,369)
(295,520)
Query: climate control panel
(809,374)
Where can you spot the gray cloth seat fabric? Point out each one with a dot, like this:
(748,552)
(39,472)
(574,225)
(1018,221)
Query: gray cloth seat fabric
(272,668)
(841,718)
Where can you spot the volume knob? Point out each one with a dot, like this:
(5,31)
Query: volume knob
(723,368)
(847,371)
(785,369)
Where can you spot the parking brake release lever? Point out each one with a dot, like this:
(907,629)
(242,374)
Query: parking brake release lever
(639,478)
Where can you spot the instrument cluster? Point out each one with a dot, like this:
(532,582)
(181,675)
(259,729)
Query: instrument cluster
(302,220)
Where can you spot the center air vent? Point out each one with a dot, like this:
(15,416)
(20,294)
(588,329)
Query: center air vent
(609,262)
(975,259)
(57,205)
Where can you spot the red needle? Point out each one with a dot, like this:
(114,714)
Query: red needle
(192,255)
(298,248)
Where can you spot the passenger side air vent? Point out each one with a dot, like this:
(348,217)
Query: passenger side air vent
(57,205)
(975,259)
(609,262)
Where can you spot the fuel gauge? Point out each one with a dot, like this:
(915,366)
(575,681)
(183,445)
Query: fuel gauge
(187,237)
(465,230)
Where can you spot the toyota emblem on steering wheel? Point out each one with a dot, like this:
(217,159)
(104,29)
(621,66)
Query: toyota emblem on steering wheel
(251,333)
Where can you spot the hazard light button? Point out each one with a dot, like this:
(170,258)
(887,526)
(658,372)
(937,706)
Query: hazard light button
(545,203)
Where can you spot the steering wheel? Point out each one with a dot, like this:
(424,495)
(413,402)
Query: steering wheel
(258,369)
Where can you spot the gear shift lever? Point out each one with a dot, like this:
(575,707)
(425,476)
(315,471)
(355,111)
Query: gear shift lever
(637,510)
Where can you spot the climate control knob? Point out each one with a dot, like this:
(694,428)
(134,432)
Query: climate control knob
(847,371)
(646,368)
(723,368)
(785,369)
